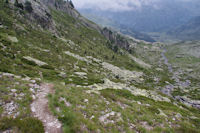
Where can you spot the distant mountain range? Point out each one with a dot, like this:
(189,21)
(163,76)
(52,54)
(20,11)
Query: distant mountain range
(106,22)
(188,31)
(170,15)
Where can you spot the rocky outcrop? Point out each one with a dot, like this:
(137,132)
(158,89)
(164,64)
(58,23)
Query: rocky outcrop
(78,57)
(96,88)
(36,12)
(123,74)
(34,61)
(140,62)
(61,5)
(188,101)
(68,7)
(41,12)
(116,38)
(13,39)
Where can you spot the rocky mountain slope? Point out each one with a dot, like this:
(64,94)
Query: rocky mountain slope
(60,72)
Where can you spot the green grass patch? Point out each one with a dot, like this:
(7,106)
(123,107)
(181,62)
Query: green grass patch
(25,125)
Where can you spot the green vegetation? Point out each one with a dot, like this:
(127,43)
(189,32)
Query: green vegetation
(185,57)
(19,5)
(26,125)
(122,102)
(78,109)
(24,122)
(28,6)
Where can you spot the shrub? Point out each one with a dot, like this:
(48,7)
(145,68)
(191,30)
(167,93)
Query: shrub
(26,125)
(19,5)
(71,4)
(6,1)
(69,121)
(29,62)
(47,67)
(31,125)
(28,6)
(5,68)
(153,110)
(5,42)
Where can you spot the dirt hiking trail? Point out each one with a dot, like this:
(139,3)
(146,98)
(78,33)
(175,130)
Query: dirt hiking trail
(39,108)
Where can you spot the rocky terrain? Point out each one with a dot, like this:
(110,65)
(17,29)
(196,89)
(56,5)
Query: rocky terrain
(59,72)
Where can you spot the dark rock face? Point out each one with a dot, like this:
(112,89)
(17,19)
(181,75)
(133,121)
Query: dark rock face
(116,38)
(61,5)
(37,12)
(68,7)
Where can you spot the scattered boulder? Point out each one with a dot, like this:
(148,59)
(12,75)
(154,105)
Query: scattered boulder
(105,119)
(34,61)
(43,50)
(10,109)
(95,88)
(123,74)
(81,74)
(86,100)
(179,56)
(146,125)
(178,116)
(140,62)
(13,90)
(162,113)
(78,57)
(63,74)
(8,74)
(189,102)
(13,39)
(159,69)
(189,70)
(1,26)
(26,79)
(93,59)
(68,104)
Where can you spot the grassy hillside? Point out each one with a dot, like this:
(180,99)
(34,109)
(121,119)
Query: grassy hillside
(97,87)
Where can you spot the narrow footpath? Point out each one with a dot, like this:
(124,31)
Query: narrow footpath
(39,108)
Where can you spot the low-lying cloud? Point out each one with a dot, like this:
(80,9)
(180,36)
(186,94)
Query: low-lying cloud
(113,5)
(117,5)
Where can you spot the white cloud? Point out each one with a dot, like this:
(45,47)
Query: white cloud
(113,5)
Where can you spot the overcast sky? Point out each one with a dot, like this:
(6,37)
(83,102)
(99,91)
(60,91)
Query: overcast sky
(117,5)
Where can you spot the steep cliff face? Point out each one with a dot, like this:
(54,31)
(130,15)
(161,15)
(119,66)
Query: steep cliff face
(116,38)
(41,12)
(36,12)
(68,7)
(65,6)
